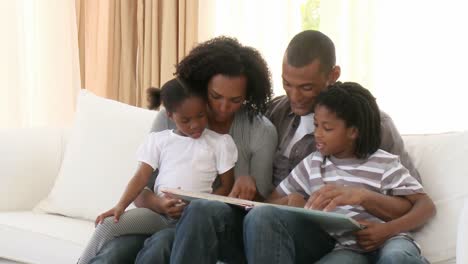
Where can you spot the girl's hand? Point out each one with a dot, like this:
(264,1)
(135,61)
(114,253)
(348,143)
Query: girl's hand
(374,235)
(172,207)
(244,188)
(117,211)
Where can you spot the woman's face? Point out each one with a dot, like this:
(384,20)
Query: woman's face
(225,96)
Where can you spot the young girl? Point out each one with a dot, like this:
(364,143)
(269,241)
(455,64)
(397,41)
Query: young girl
(189,157)
(347,136)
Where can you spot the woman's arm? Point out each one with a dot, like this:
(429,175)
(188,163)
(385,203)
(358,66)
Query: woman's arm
(261,161)
(227,181)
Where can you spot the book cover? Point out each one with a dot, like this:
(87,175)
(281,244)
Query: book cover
(329,221)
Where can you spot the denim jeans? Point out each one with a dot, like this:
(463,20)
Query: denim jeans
(394,251)
(272,235)
(209,231)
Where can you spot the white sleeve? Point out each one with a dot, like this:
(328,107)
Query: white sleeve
(149,151)
(226,154)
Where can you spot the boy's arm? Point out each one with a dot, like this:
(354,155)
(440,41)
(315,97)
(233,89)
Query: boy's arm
(383,206)
(277,198)
(227,181)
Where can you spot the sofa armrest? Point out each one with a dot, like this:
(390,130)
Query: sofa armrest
(29,163)
(462,235)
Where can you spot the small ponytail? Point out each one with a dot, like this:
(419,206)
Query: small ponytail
(153,98)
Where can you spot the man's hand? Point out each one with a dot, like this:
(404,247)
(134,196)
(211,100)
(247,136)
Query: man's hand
(374,235)
(171,207)
(117,211)
(244,188)
(330,196)
(296,200)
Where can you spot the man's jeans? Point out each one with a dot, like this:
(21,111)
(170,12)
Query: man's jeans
(272,235)
(275,236)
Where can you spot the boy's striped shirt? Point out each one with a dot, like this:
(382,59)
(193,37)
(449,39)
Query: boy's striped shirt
(381,172)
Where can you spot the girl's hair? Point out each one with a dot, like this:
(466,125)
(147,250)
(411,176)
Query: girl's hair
(356,106)
(172,94)
(226,56)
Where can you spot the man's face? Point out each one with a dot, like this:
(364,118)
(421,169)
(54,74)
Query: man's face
(302,85)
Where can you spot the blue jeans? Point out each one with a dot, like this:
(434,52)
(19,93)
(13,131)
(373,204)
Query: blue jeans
(394,251)
(209,231)
(275,236)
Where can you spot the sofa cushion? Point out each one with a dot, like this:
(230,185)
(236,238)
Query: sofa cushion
(99,158)
(441,161)
(40,238)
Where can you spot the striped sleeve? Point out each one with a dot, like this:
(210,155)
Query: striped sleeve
(396,180)
(297,181)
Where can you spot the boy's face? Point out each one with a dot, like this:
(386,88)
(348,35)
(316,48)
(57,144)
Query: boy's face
(302,85)
(332,137)
(190,117)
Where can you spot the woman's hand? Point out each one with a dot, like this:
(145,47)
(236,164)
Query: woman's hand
(117,211)
(244,188)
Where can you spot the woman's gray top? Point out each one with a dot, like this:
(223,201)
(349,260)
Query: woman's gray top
(256,144)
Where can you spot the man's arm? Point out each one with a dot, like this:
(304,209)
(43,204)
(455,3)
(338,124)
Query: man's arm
(375,234)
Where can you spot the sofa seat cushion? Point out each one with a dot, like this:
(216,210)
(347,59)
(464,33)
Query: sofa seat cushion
(39,238)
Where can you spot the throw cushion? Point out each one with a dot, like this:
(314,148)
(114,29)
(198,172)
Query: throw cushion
(99,158)
(441,161)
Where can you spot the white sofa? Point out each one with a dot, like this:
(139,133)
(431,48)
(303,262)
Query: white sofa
(47,198)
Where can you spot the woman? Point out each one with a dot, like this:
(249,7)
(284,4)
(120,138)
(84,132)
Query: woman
(236,82)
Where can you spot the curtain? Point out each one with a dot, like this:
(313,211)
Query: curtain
(127,46)
(167,31)
(265,25)
(39,69)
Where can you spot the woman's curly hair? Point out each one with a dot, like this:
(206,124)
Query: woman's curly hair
(226,56)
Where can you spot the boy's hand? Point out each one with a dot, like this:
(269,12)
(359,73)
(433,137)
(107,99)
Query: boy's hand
(296,200)
(172,207)
(330,196)
(117,211)
(374,235)
(244,188)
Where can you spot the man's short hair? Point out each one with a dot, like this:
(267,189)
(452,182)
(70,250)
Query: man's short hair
(308,46)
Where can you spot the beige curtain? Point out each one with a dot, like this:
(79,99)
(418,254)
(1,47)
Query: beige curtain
(127,46)
(39,68)
(167,30)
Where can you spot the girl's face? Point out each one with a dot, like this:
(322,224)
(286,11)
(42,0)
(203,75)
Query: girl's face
(190,117)
(225,96)
(332,137)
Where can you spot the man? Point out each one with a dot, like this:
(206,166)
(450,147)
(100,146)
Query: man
(308,68)
(209,231)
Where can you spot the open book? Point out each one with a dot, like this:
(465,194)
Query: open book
(329,221)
